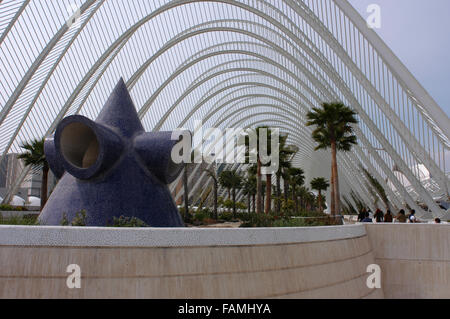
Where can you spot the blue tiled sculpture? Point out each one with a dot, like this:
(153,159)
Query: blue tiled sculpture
(111,168)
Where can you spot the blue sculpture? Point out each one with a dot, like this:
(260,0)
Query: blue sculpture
(111,168)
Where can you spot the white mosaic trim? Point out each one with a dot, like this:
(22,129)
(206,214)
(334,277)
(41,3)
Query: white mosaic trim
(169,237)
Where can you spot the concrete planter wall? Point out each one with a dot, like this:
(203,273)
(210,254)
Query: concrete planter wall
(415,259)
(318,262)
(327,262)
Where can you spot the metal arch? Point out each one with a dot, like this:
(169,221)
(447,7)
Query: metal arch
(125,37)
(32,70)
(416,205)
(300,137)
(167,114)
(400,188)
(145,107)
(393,198)
(13,20)
(73,98)
(44,82)
(275,114)
(403,132)
(266,6)
(378,134)
(147,104)
(397,66)
(412,203)
(294,133)
(195,29)
(193,173)
(256,84)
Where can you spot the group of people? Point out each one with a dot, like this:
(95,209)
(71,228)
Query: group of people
(380,217)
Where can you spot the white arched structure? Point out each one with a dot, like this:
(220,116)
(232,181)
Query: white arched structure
(228,63)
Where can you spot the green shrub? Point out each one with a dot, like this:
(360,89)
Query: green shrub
(271,220)
(64,221)
(28,220)
(201,215)
(80,218)
(228,204)
(9,208)
(226,216)
(123,221)
(258,220)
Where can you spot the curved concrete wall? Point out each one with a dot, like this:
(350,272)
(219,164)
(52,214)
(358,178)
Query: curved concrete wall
(414,258)
(318,262)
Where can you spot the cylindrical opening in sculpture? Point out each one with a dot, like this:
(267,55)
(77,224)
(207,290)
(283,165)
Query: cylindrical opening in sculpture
(79,145)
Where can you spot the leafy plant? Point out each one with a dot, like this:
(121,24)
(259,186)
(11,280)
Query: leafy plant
(226,216)
(34,155)
(27,220)
(9,208)
(80,218)
(64,221)
(320,184)
(333,129)
(123,221)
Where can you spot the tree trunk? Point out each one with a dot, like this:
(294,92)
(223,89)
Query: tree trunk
(254,202)
(286,191)
(332,181)
(294,198)
(336,178)
(320,201)
(263,200)
(234,203)
(268,205)
(258,187)
(216,186)
(186,194)
(44,185)
(278,201)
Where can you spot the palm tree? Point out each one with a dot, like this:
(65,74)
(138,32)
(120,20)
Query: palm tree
(297,178)
(226,181)
(263,194)
(259,165)
(286,152)
(232,181)
(249,189)
(187,218)
(35,156)
(320,184)
(377,187)
(333,129)
(286,181)
(212,173)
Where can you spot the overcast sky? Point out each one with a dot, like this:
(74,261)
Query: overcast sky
(418,31)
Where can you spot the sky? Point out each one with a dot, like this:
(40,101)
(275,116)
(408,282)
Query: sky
(418,32)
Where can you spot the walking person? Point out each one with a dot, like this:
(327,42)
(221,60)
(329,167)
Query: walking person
(362,215)
(379,216)
(388,216)
(367,218)
(412,217)
(401,217)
